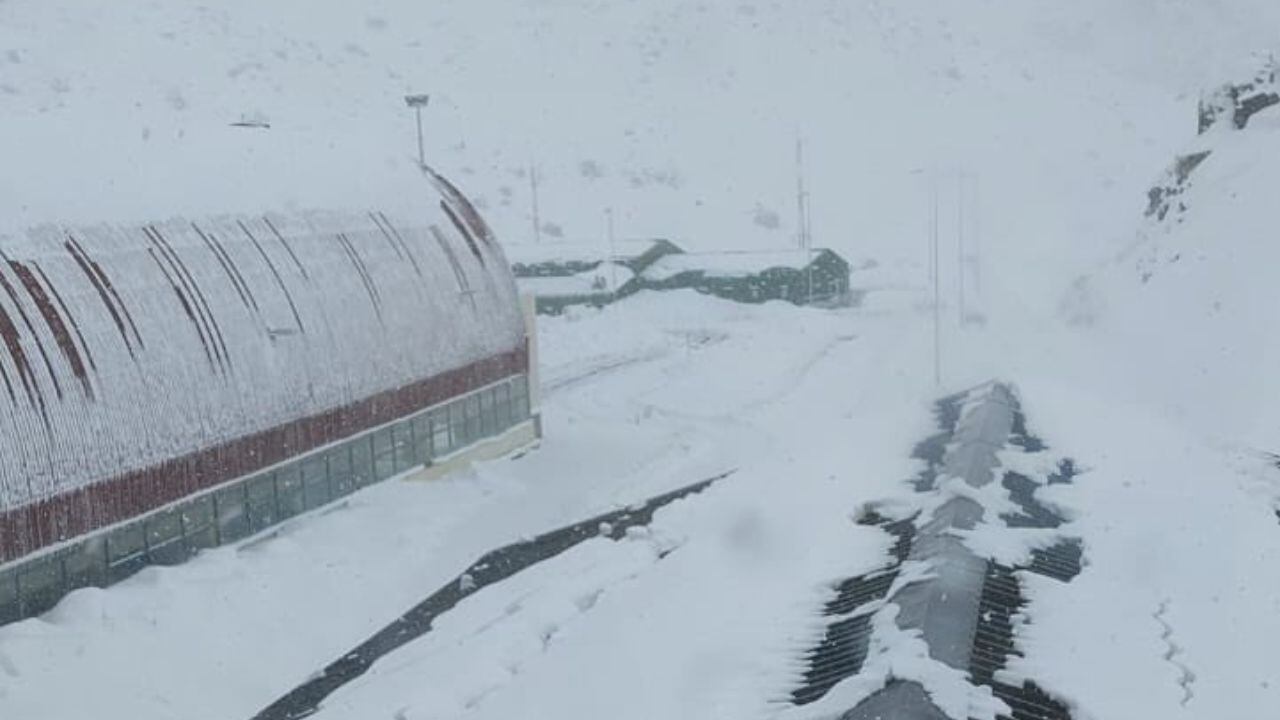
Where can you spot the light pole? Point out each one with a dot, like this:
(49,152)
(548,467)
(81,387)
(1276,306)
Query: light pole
(417,102)
(613,251)
(533,189)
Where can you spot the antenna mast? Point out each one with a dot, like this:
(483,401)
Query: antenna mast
(937,294)
(960,266)
(533,186)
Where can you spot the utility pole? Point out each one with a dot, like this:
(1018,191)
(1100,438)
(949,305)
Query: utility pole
(533,187)
(808,254)
(417,102)
(928,230)
(803,218)
(937,294)
(960,263)
(802,198)
(977,240)
(613,252)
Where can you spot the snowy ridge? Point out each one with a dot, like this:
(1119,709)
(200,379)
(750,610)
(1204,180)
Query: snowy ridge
(1188,299)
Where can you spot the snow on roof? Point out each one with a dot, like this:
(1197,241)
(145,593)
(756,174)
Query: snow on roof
(605,278)
(144,343)
(729,264)
(537,254)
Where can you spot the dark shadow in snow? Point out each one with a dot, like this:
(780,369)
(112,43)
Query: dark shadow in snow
(933,449)
(844,646)
(493,567)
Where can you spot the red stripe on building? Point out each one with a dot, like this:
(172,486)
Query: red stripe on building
(32,527)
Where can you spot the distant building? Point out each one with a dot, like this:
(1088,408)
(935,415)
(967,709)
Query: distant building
(818,276)
(559,275)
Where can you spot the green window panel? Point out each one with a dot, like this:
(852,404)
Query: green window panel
(10,608)
(472,405)
(502,398)
(402,445)
(230,505)
(260,506)
(422,439)
(316,490)
(341,475)
(198,523)
(165,542)
(40,585)
(126,552)
(290,496)
(384,465)
(362,461)
(439,433)
(487,421)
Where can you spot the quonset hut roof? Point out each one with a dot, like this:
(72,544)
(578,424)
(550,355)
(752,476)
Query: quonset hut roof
(141,363)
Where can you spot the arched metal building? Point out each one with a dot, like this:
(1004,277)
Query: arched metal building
(186,383)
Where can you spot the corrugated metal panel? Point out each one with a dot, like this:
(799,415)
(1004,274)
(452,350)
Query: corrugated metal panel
(141,363)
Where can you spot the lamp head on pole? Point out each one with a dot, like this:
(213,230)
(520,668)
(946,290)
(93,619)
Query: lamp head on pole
(417,102)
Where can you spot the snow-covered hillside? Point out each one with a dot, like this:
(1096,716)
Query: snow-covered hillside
(1190,301)
(680,116)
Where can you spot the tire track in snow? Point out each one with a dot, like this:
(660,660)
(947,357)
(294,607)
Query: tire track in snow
(604,368)
(790,380)
(1186,676)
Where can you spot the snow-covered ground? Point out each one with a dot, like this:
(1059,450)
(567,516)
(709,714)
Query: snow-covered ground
(1156,373)
(817,411)
(646,396)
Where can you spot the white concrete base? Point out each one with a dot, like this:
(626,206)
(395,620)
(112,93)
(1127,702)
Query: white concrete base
(516,438)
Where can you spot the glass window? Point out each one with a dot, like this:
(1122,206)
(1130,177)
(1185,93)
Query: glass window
(422,439)
(315,481)
(261,502)
(229,504)
(402,438)
(124,543)
(457,426)
(85,565)
(340,472)
(9,608)
(383,454)
(197,523)
(126,552)
(486,412)
(289,494)
(439,432)
(362,460)
(40,584)
(502,405)
(163,527)
(472,404)
(165,544)
(520,398)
